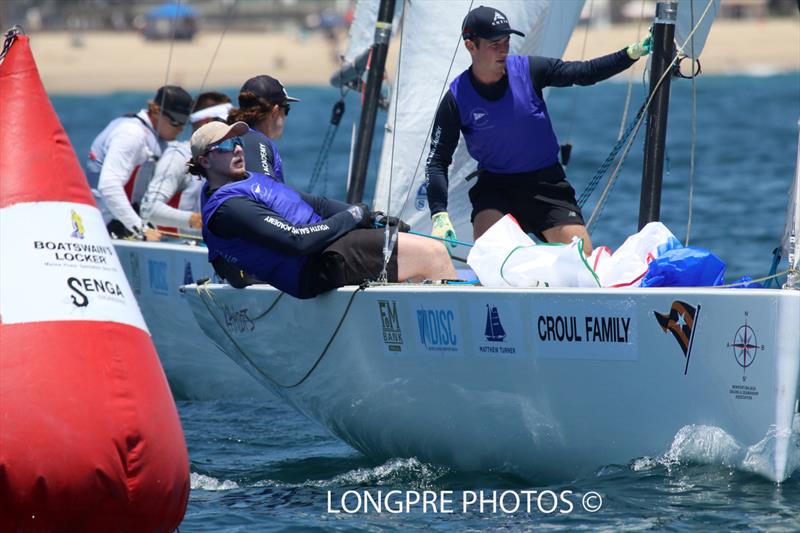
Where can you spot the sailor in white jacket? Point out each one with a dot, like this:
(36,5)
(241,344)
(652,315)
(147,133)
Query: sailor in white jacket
(172,200)
(123,156)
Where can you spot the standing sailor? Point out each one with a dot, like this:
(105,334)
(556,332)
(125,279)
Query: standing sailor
(264,106)
(498,105)
(123,156)
(172,199)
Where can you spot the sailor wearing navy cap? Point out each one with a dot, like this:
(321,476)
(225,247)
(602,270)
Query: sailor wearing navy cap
(264,105)
(497,104)
(124,154)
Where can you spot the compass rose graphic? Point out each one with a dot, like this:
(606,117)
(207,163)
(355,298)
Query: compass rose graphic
(745,345)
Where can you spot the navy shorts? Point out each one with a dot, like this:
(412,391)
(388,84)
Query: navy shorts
(538,200)
(350,260)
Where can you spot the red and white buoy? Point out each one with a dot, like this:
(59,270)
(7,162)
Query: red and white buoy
(90,439)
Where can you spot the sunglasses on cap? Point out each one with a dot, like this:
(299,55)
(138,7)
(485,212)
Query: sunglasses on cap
(286,108)
(173,121)
(227,146)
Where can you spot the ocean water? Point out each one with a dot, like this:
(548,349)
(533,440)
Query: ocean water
(257,465)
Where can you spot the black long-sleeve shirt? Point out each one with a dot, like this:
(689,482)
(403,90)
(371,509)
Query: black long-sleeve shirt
(247,219)
(545,72)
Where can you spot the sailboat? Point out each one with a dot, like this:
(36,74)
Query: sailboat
(586,377)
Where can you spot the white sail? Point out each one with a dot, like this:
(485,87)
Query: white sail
(691,13)
(791,234)
(422,78)
(362,30)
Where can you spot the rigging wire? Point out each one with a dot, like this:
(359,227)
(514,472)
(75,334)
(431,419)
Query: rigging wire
(390,237)
(694,132)
(571,121)
(228,21)
(598,210)
(169,61)
(430,125)
(629,92)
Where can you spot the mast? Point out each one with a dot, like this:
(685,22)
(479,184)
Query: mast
(653,169)
(366,126)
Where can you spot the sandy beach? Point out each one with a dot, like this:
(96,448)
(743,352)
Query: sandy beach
(103,62)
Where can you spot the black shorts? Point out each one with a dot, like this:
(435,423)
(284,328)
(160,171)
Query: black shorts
(538,200)
(352,259)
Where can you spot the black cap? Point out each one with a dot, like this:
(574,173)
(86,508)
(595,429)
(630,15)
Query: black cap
(268,88)
(174,102)
(487,23)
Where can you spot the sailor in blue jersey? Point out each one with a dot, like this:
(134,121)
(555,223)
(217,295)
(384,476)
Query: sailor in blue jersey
(261,230)
(497,104)
(264,106)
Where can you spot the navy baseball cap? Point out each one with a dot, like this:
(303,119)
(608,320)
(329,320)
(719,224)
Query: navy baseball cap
(268,88)
(487,23)
(174,102)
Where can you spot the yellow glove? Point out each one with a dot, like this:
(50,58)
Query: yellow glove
(641,48)
(443,228)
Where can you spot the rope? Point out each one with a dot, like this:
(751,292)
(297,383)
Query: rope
(327,142)
(219,44)
(601,171)
(204,289)
(443,239)
(598,210)
(629,92)
(758,280)
(180,235)
(10,37)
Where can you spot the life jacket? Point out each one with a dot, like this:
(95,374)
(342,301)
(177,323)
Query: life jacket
(279,269)
(510,135)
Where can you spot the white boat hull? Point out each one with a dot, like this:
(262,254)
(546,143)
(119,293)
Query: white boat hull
(410,372)
(195,368)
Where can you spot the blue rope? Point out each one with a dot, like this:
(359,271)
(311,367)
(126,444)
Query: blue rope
(592,185)
(470,244)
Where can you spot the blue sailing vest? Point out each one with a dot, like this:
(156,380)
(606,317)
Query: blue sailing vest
(509,135)
(280,270)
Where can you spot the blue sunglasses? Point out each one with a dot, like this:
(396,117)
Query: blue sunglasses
(226,146)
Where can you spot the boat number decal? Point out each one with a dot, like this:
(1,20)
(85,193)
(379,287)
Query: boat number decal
(681,321)
(390,325)
(745,347)
(437,329)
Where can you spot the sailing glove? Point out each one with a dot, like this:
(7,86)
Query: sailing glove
(380,219)
(641,48)
(443,228)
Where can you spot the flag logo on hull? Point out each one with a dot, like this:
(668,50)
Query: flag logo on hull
(681,321)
